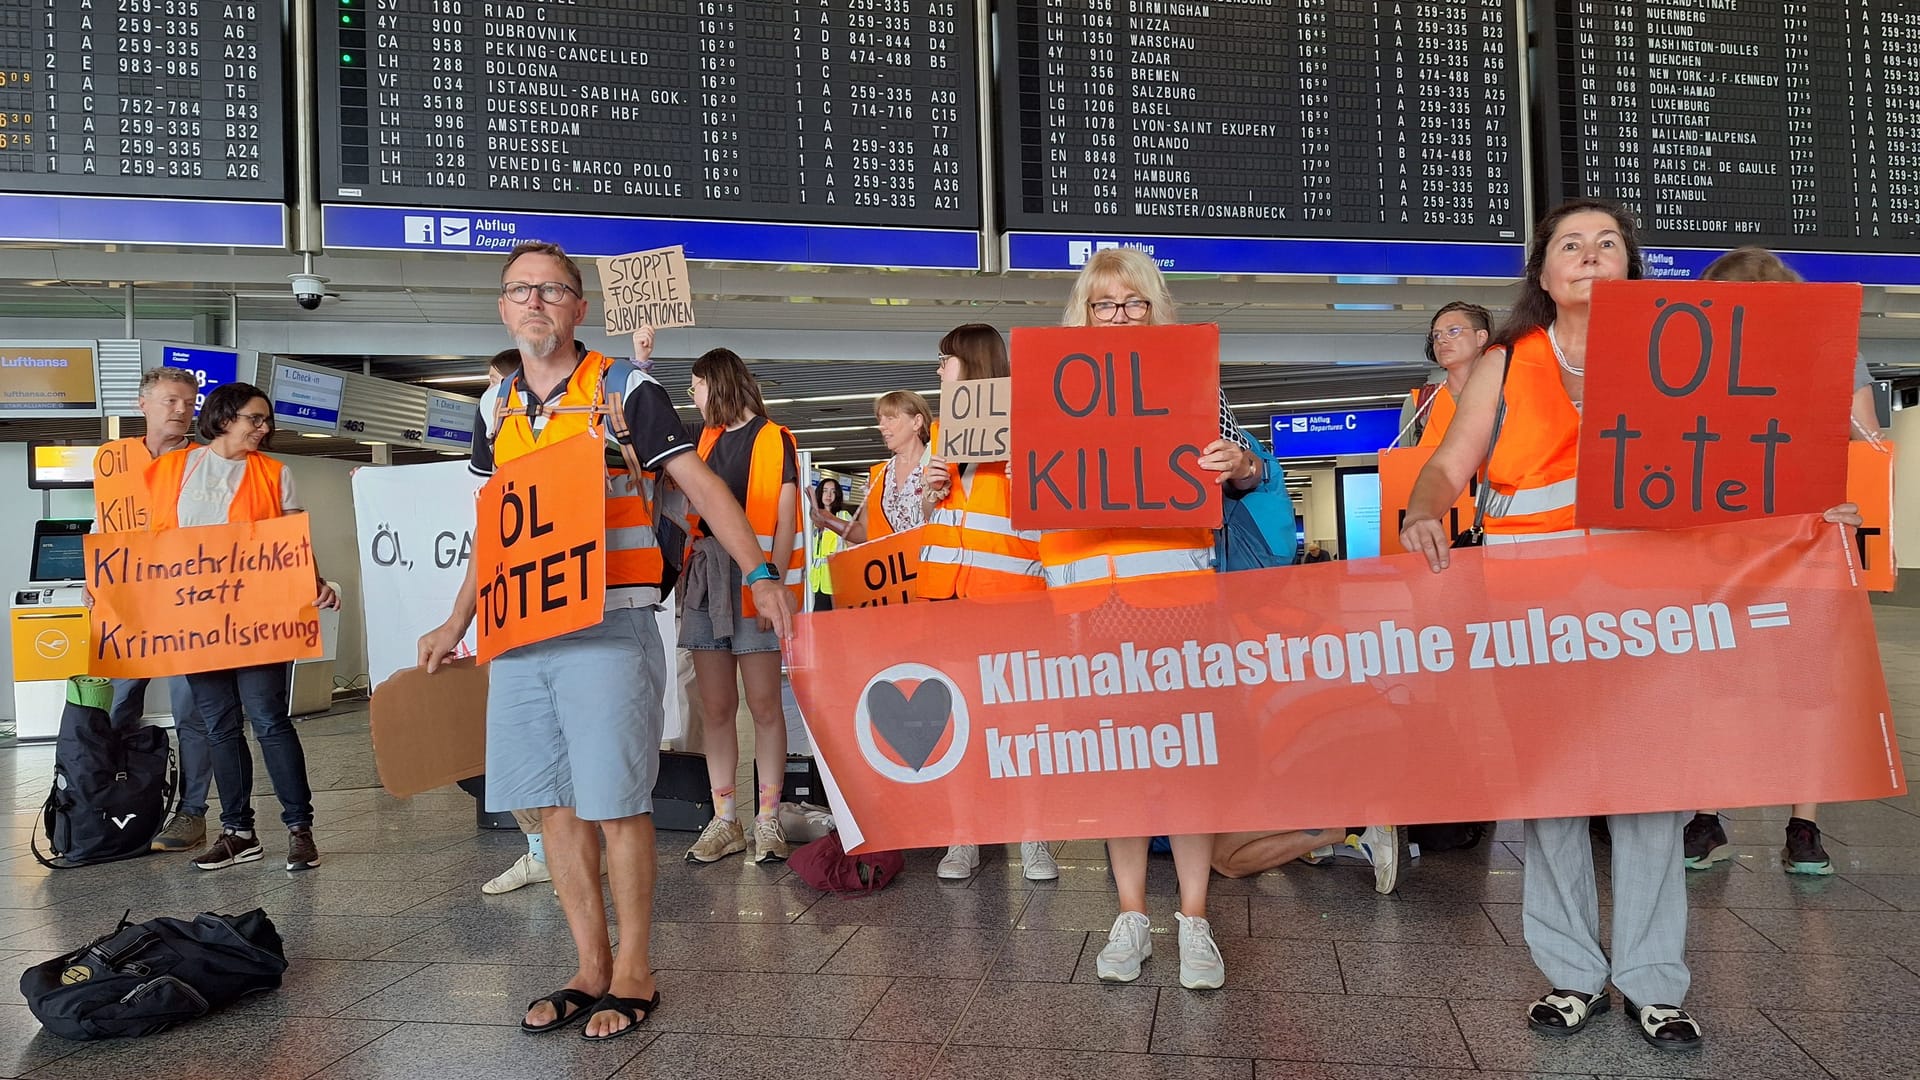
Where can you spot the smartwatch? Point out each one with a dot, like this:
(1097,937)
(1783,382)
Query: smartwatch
(766,571)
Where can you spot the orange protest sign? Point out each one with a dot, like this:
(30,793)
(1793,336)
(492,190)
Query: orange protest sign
(1870,486)
(1522,682)
(540,546)
(878,572)
(1398,471)
(1108,425)
(1711,402)
(201,599)
(120,486)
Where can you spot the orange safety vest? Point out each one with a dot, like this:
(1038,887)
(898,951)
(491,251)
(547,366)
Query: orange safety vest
(1536,451)
(1439,417)
(586,408)
(763,507)
(971,547)
(1083,556)
(257,499)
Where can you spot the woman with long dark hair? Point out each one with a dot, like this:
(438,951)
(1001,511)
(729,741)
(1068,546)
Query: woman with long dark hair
(829,504)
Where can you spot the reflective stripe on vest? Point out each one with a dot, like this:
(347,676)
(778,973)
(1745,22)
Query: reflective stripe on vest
(633,548)
(1130,565)
(970,547)
(1536,452)
(765,478)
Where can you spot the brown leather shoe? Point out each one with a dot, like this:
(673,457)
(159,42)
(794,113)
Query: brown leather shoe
(229,849)
(301,852)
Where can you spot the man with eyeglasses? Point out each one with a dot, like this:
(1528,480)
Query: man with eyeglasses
(574,723)
(1456,337)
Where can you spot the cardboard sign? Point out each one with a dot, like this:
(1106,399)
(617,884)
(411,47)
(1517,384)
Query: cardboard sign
(120,500)
(646,288)
(973,420)
(1870,486)
(202,599)
(430,730)
(1399,469)
(540,540)
(878,572)
(1109,423)
(1712,402)
(1156,710)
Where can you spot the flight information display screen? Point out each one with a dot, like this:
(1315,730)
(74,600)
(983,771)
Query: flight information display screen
(142,98)
(1787,124)
(1345,119)
(837,111)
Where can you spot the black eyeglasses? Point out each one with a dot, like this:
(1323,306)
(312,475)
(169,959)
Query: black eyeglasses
(551,292)
(1135,307)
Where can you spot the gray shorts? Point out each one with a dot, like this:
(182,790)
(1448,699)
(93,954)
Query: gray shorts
(576,720)
(696,626)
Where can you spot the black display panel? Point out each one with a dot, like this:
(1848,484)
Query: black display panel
(833,111)
(142,97)
(1349,118)
(1787,124)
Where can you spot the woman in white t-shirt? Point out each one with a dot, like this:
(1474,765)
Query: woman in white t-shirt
(230,480)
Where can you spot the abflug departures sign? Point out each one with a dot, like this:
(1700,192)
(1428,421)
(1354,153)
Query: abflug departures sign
(1792,125)
(148,98)
(1349,118)
(848,111)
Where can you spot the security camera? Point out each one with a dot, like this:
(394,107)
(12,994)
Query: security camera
(308,290)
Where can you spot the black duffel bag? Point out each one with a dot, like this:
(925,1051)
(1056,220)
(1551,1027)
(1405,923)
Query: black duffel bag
(145,978)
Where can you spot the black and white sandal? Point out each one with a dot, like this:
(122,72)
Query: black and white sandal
(1666,1027)
(1565,1012)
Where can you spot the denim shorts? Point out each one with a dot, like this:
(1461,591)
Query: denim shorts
(696,626)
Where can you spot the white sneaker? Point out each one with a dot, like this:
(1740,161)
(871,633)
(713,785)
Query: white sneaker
(526,870)
(960,862)
(1036,861)
(1128,943)
(1201,965)
(1381,845)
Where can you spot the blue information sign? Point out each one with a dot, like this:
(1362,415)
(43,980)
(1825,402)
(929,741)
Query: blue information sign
(1687,264)
(212,368)
(1331,434)
(393,228)
(81,219)
(449,420)
(1242,255)
(309,399)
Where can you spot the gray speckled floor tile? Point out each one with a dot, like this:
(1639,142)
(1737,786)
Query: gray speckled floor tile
(1854,1046)
(1708,929)
(1844,983)
(1841,933)
(1301,1070)
(484,1053)
(920,902)
(1057,1016)
(1252,964)
(1740,1045)
(324,987)
(958,953)
(753,1003)
(347,937)
(1415,969)
(1382,918)
(1899,890)
(734,1057)
(683,901)
(1767,887)
(315,895)
(1092,912)
(745,946)
(1308,1027)
(918,1011)
(365,866)
(486,994)
(236,1045)
(24,1045)
(489,941)
(993,1062)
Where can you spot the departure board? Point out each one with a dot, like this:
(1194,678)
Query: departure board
(831,111)
(1786,124)
(1348,118)
(142,98)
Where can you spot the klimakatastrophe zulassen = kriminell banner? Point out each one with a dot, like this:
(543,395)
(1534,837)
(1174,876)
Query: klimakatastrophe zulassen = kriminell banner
(1567,677)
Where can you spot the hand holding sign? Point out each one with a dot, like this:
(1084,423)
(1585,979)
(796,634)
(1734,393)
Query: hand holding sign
(1710,402)
(646,289)
(1109,425)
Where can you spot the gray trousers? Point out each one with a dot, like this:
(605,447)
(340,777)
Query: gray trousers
(1561,906)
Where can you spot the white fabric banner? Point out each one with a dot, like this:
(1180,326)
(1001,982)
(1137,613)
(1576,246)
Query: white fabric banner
(416,538)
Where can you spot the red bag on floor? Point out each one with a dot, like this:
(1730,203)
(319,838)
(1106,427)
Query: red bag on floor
(826,866)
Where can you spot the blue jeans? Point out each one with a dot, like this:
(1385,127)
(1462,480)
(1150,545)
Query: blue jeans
(196,761)
(256,694)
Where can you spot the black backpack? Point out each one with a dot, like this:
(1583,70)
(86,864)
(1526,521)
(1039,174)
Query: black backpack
(145,978)
(111,790)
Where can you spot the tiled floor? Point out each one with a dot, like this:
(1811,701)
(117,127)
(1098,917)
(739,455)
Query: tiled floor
(401,968)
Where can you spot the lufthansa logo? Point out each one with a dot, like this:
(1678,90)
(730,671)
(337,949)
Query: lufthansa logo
(911,723)
(52,644)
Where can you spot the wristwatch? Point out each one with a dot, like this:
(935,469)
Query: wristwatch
(766,571)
